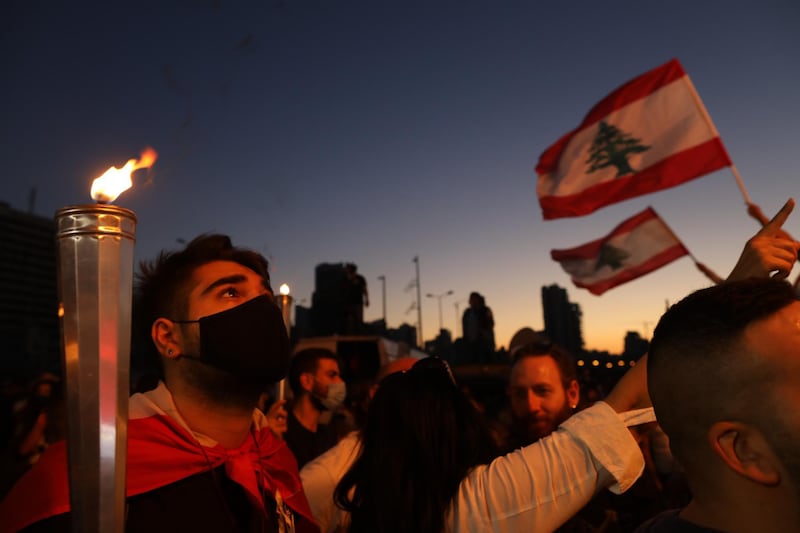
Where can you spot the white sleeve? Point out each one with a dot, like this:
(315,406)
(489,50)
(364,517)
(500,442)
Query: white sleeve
(320,477)
(539,487)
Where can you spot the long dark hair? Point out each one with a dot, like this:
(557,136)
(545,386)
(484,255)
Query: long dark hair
(421,439)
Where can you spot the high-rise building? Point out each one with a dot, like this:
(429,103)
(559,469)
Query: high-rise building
(328,300)
(635,345)
(29,330)
(562,319)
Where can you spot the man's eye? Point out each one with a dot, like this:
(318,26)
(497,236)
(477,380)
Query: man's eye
(230,292)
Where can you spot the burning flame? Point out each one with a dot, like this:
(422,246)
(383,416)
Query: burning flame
(115,181)
(284,289)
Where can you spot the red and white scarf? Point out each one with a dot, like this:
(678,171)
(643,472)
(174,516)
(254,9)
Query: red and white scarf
(162,450)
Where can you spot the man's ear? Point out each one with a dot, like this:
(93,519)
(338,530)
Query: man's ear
(166,337)
(744,450)
(573,394)
(307,381)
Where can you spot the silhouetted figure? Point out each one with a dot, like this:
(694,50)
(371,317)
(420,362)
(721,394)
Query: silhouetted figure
(478,329)
(356,298)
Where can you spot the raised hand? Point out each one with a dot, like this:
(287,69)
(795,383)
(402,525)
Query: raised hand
(770,252)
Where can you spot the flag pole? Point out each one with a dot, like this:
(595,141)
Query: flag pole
(713,128)
(420,338)
(710,274)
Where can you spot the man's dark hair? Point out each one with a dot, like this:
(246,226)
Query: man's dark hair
(163,285)
(564,361)
(306,361)
(699,367)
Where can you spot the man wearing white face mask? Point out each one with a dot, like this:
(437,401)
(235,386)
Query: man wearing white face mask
(317,387)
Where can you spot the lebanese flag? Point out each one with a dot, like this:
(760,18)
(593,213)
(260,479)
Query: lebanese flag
(637,246)
(650,134)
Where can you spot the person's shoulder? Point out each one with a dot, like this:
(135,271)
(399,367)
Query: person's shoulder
(336,460)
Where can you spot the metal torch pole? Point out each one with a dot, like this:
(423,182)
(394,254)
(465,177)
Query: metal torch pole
(95,250)
(286,311)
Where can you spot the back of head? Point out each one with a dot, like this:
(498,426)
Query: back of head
(163,286)
(701,370)
(306,361)
(525,336)
(396,365)
(421,438)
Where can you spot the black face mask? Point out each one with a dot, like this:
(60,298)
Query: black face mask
(248,341)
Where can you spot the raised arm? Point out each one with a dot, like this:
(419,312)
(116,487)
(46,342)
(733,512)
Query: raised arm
(770,252)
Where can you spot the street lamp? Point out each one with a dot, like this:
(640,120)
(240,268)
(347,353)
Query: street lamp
(439,299)
(286,310)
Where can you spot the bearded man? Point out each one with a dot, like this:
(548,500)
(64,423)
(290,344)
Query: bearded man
(318,388)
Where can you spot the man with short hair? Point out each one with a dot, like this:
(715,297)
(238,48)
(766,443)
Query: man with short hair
(543,391)
(318,388)
(723,375)
(200,456)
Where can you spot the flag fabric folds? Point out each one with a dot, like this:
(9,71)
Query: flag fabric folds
(637,246)
(651,133)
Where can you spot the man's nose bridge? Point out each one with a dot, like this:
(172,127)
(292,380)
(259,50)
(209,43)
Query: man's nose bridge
(533,401)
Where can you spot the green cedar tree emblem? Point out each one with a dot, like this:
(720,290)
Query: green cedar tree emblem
(611,257)
(611,147)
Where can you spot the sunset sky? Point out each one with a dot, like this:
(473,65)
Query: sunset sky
(377,131)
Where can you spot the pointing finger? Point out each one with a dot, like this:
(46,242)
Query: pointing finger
(777,221)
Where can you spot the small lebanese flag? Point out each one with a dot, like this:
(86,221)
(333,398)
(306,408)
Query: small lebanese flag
(637,246)
(650,134)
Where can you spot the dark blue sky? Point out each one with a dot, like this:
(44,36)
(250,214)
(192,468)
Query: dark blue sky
(327,131)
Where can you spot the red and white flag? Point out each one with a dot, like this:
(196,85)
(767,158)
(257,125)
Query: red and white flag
(637,246)
(650,134)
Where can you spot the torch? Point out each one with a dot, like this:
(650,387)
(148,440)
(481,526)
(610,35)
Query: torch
(95,259)
(286,311)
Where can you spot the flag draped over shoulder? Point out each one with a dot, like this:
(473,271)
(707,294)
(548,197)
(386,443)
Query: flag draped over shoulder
(638,245)
(652,133)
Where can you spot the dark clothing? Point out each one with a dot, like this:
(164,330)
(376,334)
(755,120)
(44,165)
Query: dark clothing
(305,444)
(354,290)
(670,522)
(478,327)
(169,478)
(176,507)
(356,287)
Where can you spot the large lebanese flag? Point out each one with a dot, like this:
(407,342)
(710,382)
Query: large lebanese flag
(649,134)
(637,246)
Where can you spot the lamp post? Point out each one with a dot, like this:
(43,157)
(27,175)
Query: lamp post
(439,299)
(286,310)
(420,338)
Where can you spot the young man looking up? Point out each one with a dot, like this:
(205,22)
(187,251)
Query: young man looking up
(201,457)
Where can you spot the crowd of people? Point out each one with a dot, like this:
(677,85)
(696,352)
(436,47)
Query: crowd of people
(208,450)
